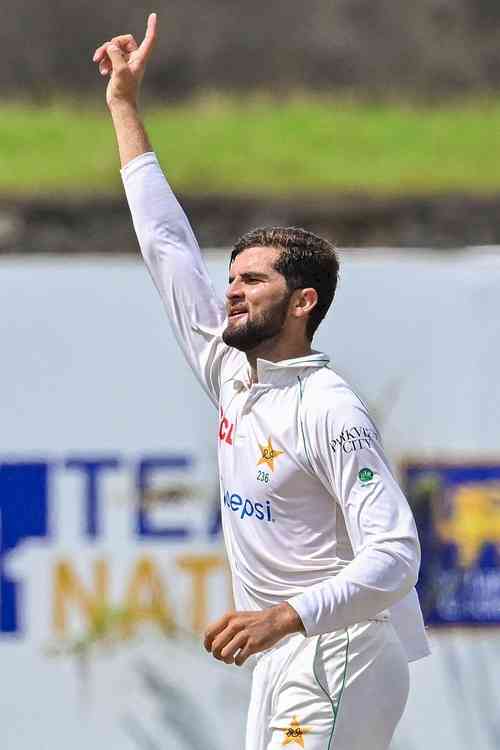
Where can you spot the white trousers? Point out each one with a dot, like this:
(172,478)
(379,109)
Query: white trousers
(344,690)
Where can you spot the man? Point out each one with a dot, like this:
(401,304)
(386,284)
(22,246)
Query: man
(322,544)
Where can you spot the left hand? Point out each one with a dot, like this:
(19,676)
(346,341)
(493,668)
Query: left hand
(238,635)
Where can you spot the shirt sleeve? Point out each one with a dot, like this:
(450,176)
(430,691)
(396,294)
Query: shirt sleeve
(346,454)
(173,258)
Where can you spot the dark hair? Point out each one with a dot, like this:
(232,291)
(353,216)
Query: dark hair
(306,260)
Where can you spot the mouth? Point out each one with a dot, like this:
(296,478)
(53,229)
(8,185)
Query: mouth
(237,315)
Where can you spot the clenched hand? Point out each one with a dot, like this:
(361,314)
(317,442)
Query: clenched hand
(238,635)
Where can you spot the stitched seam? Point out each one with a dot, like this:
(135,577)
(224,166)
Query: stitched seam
(301,395)
(335,708)
(343,686)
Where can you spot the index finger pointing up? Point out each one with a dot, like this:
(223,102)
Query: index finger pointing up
(147,43)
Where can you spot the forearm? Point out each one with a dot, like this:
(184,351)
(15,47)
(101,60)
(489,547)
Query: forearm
(130,132)
(374,581)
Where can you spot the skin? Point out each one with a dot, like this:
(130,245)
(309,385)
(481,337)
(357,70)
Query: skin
(256,292)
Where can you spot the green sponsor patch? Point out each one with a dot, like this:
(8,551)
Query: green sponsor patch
(365,475)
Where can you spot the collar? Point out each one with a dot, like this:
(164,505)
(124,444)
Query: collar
(280,373)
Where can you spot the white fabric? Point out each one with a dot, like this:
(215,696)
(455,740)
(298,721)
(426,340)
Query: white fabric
(346,690)
(310,510)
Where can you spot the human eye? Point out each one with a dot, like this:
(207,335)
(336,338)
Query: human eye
(253,278)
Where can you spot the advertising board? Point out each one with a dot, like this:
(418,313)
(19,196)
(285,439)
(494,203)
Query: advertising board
(111,556)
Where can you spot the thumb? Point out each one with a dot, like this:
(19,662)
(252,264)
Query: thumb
(116,56)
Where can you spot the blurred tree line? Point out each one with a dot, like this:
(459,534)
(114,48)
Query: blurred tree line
(430,48)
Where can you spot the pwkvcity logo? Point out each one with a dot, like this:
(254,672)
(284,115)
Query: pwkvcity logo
(84,540)
(353,439)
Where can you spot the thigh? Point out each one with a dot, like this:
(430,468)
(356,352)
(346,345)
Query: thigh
(344,691)
(259,709)
(266,680)
(376,690)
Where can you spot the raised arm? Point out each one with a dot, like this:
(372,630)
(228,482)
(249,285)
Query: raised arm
(167,242)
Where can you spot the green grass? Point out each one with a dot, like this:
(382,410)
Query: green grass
(260,146)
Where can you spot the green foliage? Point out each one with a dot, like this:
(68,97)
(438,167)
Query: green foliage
(295,146)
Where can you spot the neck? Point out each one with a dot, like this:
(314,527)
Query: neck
(275,351)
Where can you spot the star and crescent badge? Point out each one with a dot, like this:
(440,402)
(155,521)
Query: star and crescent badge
(269,455)
(294,733)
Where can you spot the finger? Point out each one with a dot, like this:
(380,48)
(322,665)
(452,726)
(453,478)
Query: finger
(227,654)
(105,66)
(125,42)
(250,647)
(100,52)
(117,58)
(148,42)
(224,638)
(245,652)
(213,630)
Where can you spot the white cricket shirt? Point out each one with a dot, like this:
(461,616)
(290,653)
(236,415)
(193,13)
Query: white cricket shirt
(311,512)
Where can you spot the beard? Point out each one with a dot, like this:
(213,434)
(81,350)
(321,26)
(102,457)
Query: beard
(250,334)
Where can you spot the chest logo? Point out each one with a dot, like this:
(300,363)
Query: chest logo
(226,429)
(268,455)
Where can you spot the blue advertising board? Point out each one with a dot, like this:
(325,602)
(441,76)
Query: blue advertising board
(31,512)
(457,509)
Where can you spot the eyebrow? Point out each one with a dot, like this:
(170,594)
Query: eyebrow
(250,275)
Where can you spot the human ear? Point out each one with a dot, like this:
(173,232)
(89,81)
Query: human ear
(304,302)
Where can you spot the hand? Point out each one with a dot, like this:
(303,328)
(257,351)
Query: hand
(238,635)
(126,61)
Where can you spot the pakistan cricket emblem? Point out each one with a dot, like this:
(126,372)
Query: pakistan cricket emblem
(294,733)
(268,455)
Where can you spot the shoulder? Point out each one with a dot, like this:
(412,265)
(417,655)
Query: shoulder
(324,390)
(329,401)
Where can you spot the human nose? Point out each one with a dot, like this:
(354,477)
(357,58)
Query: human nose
(234,290)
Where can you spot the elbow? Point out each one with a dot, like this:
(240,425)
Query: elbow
(399,564)
(411,578)
(409,557)
(149,251)
(163,254)
(150,244)
(171,240)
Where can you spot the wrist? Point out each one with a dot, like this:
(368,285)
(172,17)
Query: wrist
(119,106)
(290,621)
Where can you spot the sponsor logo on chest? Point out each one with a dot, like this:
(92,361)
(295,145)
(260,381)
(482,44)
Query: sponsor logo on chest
(244,507)
(226,429)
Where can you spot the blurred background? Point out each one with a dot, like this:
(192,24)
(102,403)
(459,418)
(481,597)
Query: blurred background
(376,125)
